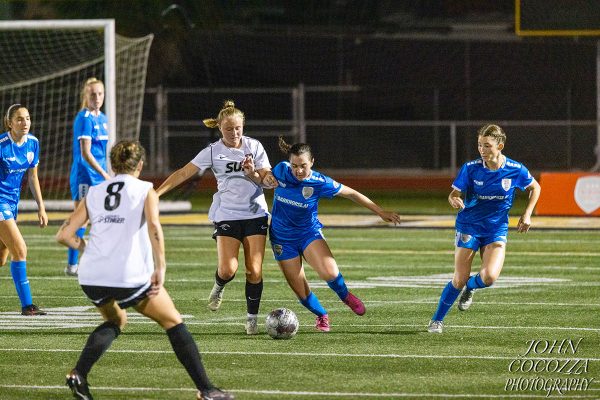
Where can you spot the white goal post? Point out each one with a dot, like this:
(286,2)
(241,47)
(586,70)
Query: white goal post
(43,66)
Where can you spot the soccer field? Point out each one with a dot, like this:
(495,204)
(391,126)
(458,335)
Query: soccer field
(548,291)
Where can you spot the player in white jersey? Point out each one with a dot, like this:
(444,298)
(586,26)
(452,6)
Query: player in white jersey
(123,266)
(239,210)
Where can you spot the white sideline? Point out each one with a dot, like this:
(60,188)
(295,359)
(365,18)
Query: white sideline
(67,205)
(301,393)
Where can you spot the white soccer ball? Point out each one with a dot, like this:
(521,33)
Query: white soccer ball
(282,323)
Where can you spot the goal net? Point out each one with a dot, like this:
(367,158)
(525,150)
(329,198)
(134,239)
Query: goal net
(44,65)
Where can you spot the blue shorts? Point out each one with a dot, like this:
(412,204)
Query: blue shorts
(285,250)
(8,211)
(474,243)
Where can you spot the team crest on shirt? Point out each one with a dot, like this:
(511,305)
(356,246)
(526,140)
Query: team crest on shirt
(506,184)
(277,249)
(307,191)
(30,157)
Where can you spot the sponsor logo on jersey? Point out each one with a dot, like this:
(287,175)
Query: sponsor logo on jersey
(282,184)
(482,197)
(11,158)
(506,182)
(221,156)
(587,193)
(30,157)
(307,191)
(233,167)
(478,183)
(109,219)
(277,249)
(291,202)
(512,164)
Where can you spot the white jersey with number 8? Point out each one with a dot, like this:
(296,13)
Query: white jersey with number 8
(118,252)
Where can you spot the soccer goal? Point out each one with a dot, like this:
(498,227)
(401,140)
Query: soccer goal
(43,65)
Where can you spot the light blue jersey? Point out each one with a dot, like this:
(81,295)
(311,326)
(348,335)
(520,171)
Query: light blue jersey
(488,196)
(88,126)
(15,160)
(295,203)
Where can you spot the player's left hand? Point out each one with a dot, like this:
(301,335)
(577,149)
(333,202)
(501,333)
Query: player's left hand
(390,216)
(524,224)
(42,218)
(269,181)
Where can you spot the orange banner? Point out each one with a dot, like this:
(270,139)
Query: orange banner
(569,194)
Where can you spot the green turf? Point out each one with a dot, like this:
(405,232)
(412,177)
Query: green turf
(385,354)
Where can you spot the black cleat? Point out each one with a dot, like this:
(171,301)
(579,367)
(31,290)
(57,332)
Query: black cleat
(214,394)
(78,385)
(32,310)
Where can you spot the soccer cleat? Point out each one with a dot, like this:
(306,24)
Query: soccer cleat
(465,300)
(435,326)
(252,325)
(214,394)
(78,385)
(355,304)
(71,270)
(216,297)
(32,310)
(322,323)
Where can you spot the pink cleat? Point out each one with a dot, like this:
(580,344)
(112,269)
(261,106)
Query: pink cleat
(355,304)
(322,323)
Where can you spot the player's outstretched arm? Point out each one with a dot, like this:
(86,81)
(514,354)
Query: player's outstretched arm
(534,190)
(66,234)
(359,198)
(177,178)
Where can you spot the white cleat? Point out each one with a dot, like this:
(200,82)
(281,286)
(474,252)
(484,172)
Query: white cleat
(216,297)
(252,325)
(435,326)
(465,300)
(71,270)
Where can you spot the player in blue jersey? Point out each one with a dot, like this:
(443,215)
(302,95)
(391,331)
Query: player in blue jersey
(483,191)
(19,153)
(295,231)
(90,138)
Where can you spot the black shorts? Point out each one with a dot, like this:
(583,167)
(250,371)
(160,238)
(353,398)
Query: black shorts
(125,297)
(239,229)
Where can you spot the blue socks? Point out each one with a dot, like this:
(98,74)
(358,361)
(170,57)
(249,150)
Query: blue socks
(312,303)
(475,282)
(73,254)
(18,270)
(448,297)
(338,285)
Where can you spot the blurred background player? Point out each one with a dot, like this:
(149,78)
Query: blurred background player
(239,209)
(90,138)
(19,152)
(124,266)
(295,231)
(483,191)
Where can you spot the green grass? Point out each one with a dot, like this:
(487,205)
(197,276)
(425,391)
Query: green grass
(385,354)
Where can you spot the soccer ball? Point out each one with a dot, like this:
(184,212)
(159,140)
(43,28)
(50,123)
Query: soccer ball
(282,323)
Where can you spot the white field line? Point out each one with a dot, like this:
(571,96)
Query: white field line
(285,393)
(384,302)
(181,249)
(311,354)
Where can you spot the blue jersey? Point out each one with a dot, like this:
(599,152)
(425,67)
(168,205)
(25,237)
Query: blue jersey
(488,196)
(14,161)
(295,203)
(88,126)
